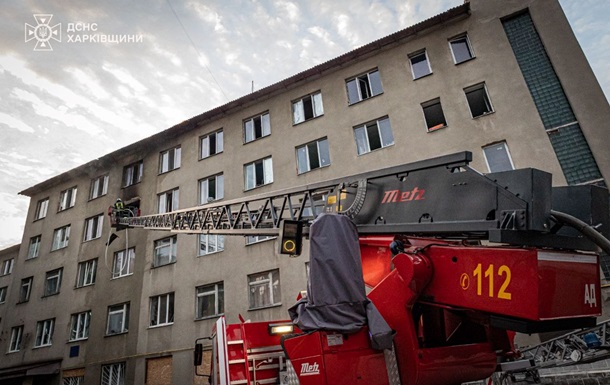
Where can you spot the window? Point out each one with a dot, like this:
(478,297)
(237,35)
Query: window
(210,243)
(132,173)
(211,144)
(3,291)
(169,160)
(211,189)
(162,310)
(168,201)
(118,319)
(433,114)
(99,187)
(258,173)
(79,325)
(461,49)
(251,239)
(165,251)
(264,289)
(26,289)
(41,209)
(113,374)
(74,380)
(210,301)
(373,135)
(52,282)
(420,66)
(93,227)
(363,87)
(308,107)
(86,273)
(34,247)
(16,339)
(44,333)
(478,100)
(122,263)
(257,127)
(313,155)
(67,198)
(61,237)
(498,157)
(7,267)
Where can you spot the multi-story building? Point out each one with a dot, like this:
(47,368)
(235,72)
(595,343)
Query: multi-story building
(505,80)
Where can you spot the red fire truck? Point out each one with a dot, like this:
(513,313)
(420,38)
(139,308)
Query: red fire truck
(420,274)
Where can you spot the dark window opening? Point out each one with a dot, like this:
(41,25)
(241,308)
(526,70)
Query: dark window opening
(478,101)
(435,118)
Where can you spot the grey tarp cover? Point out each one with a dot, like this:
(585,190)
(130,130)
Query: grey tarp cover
(336,297)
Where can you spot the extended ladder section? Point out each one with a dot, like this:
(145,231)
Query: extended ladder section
(441,197)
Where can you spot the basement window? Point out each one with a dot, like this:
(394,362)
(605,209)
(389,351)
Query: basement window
(433,114)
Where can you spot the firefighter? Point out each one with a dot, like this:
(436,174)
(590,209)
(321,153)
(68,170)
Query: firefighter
(119,208)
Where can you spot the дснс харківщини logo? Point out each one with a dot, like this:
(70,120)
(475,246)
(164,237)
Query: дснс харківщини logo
(43,32)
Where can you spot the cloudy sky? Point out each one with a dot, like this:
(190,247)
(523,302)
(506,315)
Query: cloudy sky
(62,108)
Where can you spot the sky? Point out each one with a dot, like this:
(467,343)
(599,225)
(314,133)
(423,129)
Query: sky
(71,100)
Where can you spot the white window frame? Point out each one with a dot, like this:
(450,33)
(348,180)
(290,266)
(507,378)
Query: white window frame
(298,107)
(87,271)
(466,39)
(168,201)
(53,275)
(370,89)
(213,290)
(132,173)
(262,280)
(7,267)
(61,237)
(16,339)
(79,326)
(34,247)
(122,263)
(93,227)
(168,242)
(205,195)
(304,153)
(206,149)
(169,160)
(41,209)
(362,135)
(44,333)
(122,310)
(253,239)
(67,198)
(27,284)
(417,55)
(478,87)
(250,175)
(216,246)
(249,127)
(161,310)
(99,187)
(505,147)
(113,374)
(3,292)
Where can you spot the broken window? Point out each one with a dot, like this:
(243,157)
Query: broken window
(363,87)
(433,114)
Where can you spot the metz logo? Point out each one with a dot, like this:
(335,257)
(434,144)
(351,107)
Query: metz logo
(309,370)
(393,196)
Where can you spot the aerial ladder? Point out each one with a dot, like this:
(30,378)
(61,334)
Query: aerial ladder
(454,262)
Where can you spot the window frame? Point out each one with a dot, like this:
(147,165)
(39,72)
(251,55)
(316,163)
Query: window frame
(94,189)
(127,255)
(506,149)
(25,297)
(267,179)
(318,151)
(217,249)
(254,239)
(365,130)
(7,267)
(55,274)
(432,103)
(86,269)
(173,250)
(16,339)
(80,330)
(486,99)
(135,169)
(70,193)
(218,136)
(121,308)
(265,130)
(3,294)
(156,304)
(35,242)
(417,54)
(268,280)
(218,188)
(175,153)
(64,233)
(112,372)
(300,104)
(44,333)
(42,208)
(468,46)
(93,223)
(357,81)
(167,200)
(215,290)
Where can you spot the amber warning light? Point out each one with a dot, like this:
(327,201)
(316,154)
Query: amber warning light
(291,237)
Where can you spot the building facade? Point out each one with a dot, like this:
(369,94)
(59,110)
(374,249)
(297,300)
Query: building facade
(504,80)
